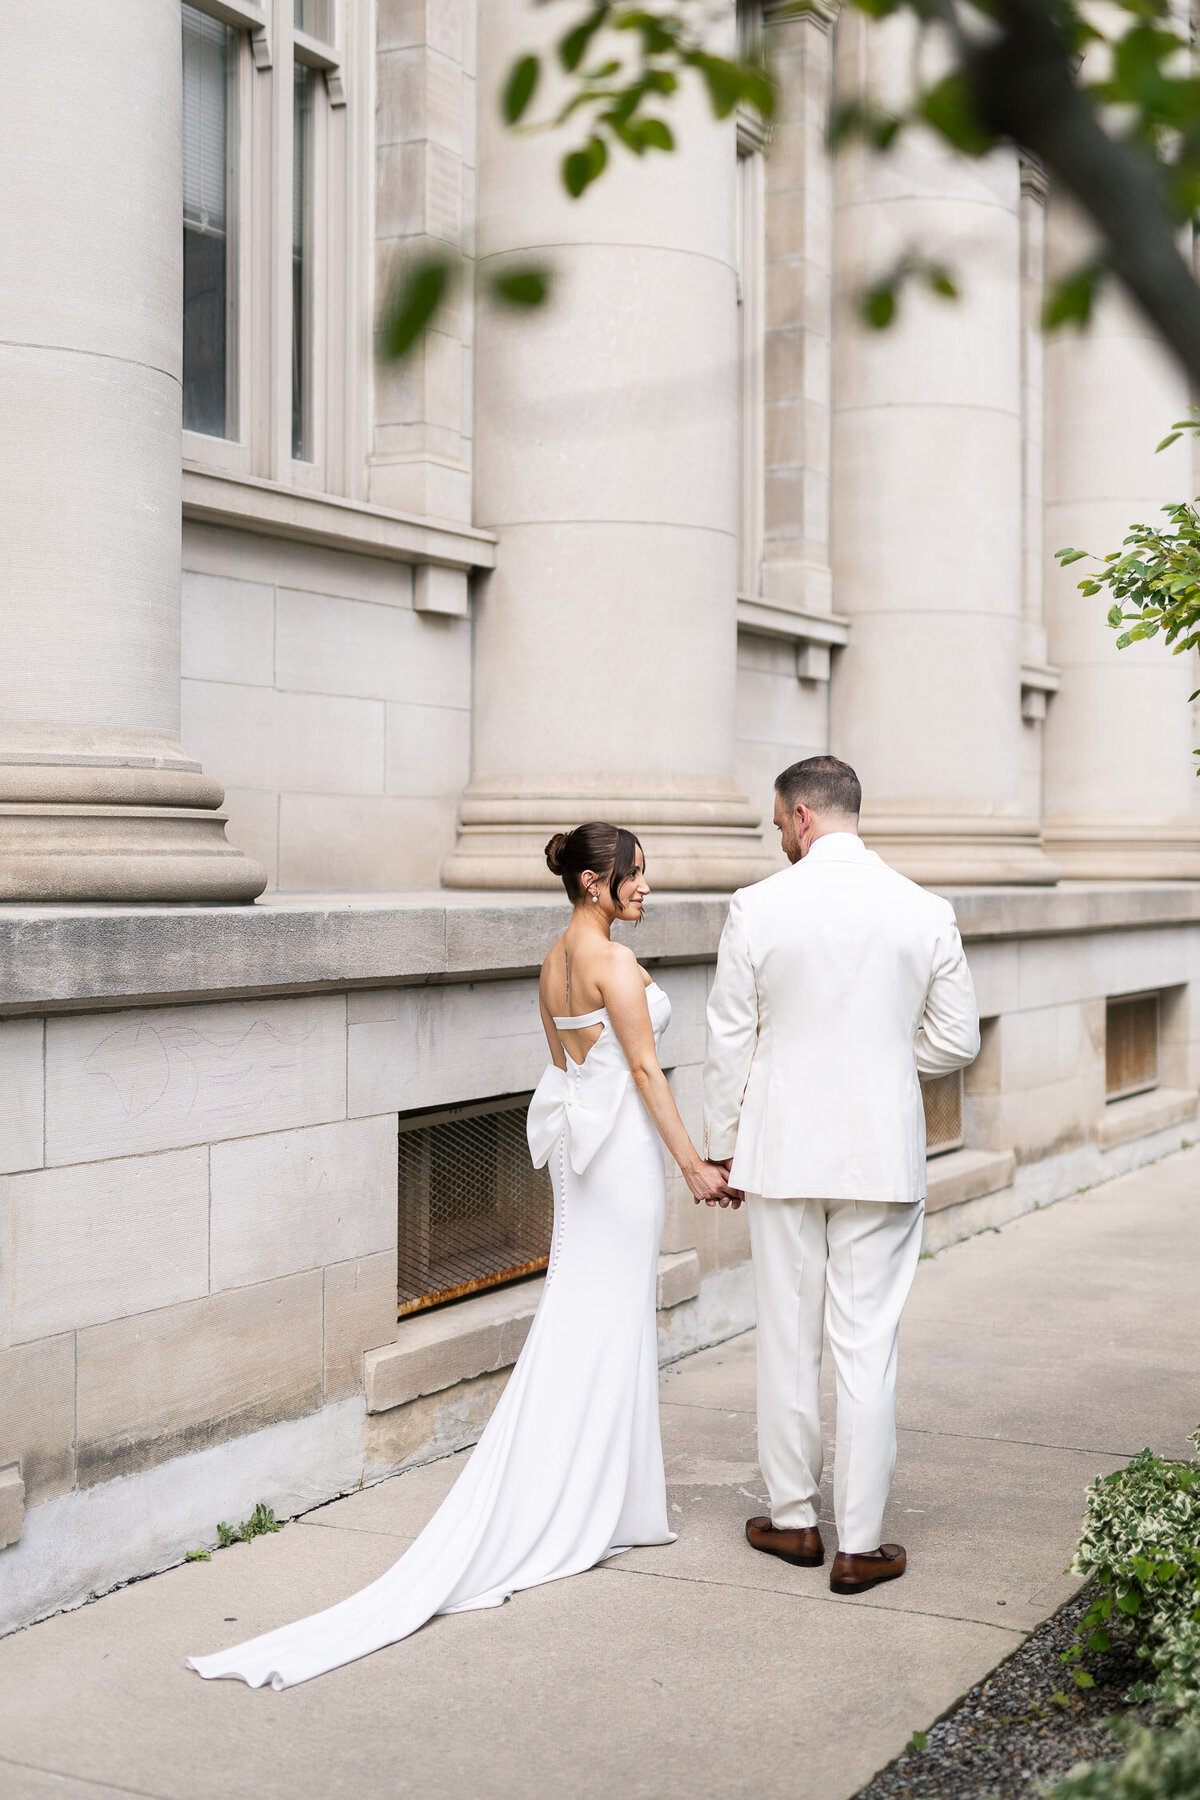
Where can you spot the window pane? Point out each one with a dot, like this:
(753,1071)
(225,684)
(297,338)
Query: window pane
(302,156)
(315,18)
(209,69)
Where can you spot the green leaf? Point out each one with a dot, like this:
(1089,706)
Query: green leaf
(1116,618)
(1130,1601)
(1070,303)
(949,108)
(1070,556)
(581,167)
(1060,1700)
(1170,438)
(1099,1640)
(656,134)
(414,302)
(722,79)
(518,89)
(521,287)
(1083,1679)
(918,1741)
(573,47)
(878,306)
(198,1556)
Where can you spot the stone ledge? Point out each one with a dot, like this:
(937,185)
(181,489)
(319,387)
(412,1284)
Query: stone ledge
(967,1175)
(12,1505)
(81,958)
(1123,1120)
(437,1350)
(678,1279)
(246,503)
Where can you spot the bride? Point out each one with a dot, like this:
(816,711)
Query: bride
(569,1469)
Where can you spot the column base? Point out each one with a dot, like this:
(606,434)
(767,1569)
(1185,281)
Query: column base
(1085,850)
(103,815)
(708,845)
(962,850)
(55,854)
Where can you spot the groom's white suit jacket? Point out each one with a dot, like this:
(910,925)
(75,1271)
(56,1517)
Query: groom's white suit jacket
(837,981)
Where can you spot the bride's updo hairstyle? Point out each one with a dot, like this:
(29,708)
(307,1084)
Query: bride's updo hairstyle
(609,850)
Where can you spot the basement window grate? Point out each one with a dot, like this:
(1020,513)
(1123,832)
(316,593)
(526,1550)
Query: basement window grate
(474,1212)
(943,1100)
(1130,1045)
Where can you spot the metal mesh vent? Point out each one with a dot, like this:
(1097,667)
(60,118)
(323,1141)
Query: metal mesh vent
(473,1210)
(943,1098)
(1131,1045)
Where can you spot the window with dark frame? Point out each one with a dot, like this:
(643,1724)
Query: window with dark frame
(474,1212)
(210,62)
(304,100)
(1131,1045)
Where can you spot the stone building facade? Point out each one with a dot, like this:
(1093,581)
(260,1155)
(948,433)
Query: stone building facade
(306,654)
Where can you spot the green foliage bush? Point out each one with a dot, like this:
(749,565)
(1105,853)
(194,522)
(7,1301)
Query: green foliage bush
(1141,1547)
(1157,1765)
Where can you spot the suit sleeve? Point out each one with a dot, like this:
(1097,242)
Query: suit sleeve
(732,1036)
(948,1035)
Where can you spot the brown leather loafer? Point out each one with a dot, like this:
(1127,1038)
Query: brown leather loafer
(854,1574)
(801,1546)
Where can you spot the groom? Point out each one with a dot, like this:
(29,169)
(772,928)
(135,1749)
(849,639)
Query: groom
(837,981)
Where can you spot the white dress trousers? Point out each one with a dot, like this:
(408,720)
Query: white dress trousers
(845,1267)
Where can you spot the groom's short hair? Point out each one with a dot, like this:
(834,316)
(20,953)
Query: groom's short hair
(825,784)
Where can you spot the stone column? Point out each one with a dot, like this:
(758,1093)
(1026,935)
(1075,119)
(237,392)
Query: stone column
(926,699)
(1120,786)
(606,438)
(98,799)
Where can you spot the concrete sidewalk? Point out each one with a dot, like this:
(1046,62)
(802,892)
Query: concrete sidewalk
(1032,1360)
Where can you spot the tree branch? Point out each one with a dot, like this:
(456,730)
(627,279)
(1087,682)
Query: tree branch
(1023,88)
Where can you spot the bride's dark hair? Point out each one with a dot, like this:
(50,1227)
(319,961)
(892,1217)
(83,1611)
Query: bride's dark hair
(608,849)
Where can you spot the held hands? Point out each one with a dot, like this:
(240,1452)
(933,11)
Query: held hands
(709,1181)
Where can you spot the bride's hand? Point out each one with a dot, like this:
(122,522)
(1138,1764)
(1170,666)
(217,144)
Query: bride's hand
(709,1183)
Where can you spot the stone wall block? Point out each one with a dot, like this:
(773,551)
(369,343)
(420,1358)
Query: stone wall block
(685,1038)
(12,1505)
(37,1415)
(995,974)
(1179,1036)
(20,1094)
(299,1199)
(354,843)
(101,1240)
(335,646)
(228,630)
(360,1315)
(168,1382)
(129,1082)
(448,1044)
(404,24)
(428,751)
(430,1427)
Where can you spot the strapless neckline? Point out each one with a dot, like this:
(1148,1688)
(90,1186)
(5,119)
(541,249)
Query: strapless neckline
(578,1021)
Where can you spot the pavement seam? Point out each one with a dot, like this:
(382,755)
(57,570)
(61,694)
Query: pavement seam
(966,1437)
(909,1612)
(102,1787)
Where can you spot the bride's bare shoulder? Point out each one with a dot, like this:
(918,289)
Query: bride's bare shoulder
(620,964)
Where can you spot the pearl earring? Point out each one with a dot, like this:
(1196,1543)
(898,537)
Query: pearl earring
(595,895)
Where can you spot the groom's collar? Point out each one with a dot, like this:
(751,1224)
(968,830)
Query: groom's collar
(836,846)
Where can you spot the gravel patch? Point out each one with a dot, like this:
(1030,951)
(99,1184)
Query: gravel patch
(1008,1737)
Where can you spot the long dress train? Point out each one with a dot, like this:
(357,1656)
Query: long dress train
(569,1469)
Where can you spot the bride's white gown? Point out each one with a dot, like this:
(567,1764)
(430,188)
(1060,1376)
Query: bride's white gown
(569,1469)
